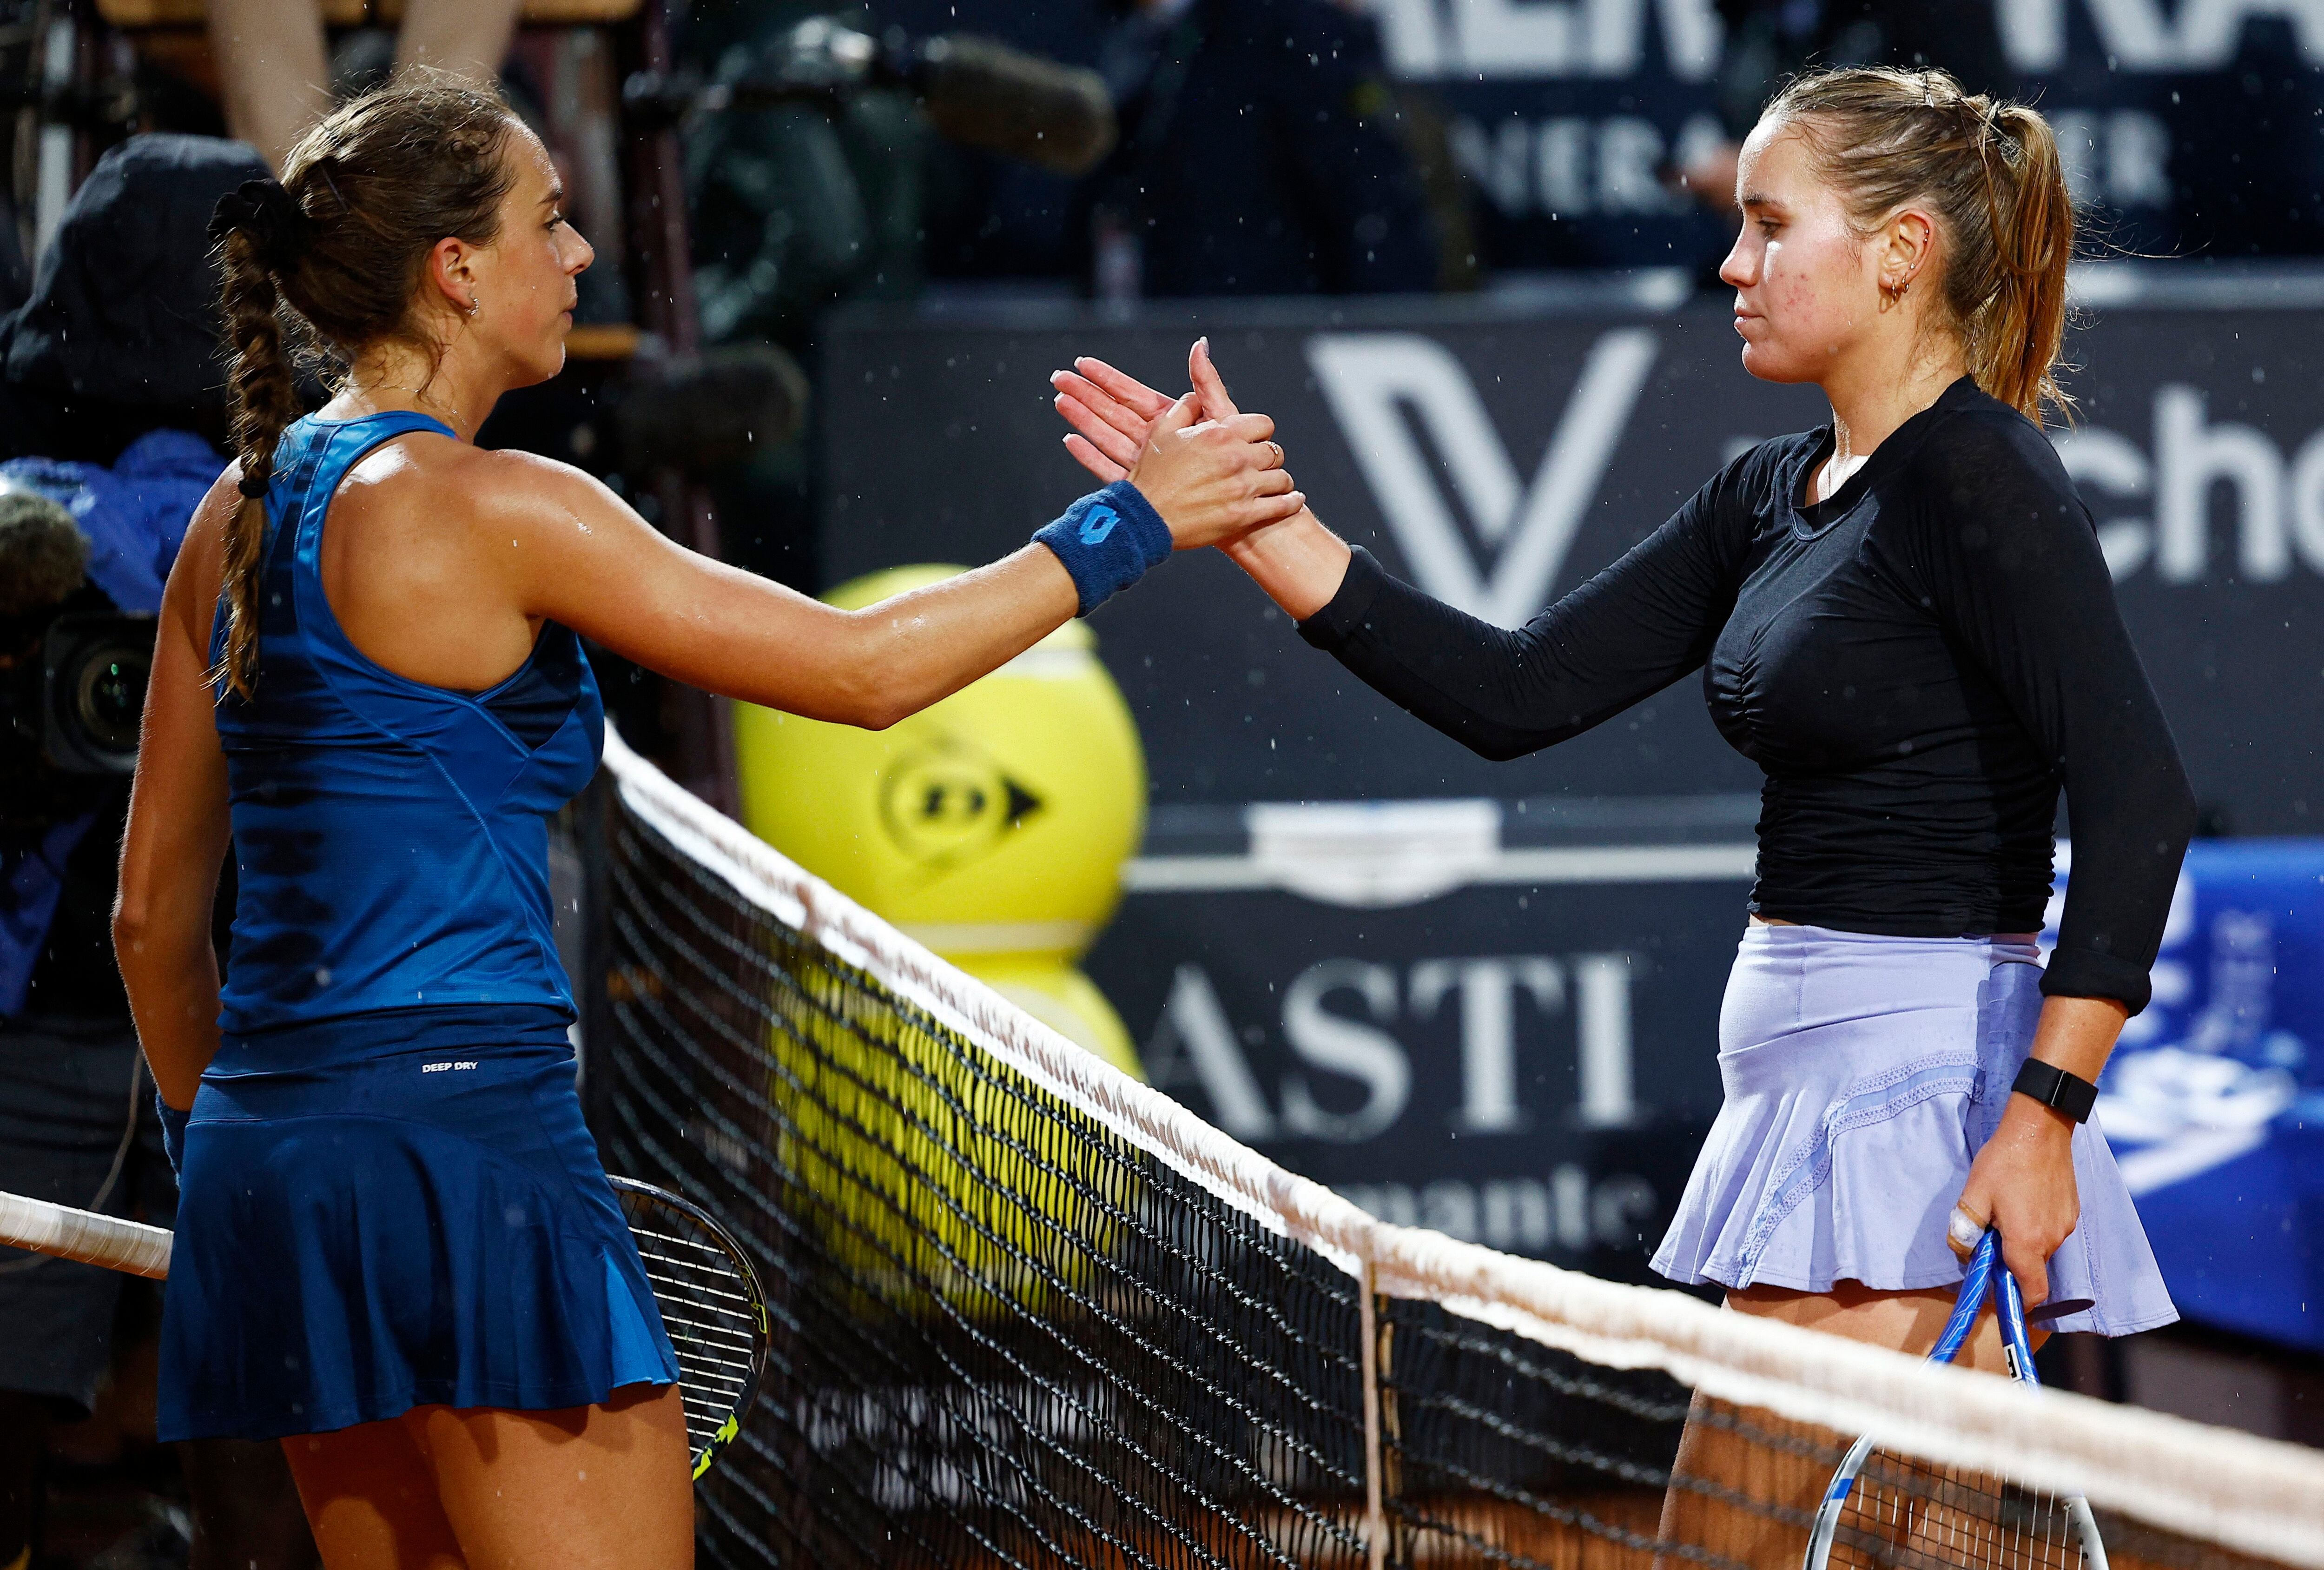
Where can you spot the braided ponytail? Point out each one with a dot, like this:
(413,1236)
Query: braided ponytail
(1886,138)
(262,400)
(330,260)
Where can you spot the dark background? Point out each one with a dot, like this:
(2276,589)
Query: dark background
(2182,139)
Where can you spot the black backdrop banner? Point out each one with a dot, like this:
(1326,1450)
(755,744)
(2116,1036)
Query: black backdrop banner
(1487,998)
(1497,460)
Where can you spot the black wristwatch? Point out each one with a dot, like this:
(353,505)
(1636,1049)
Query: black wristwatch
(2053,1088)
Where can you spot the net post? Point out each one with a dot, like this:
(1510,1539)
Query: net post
(1375,1506)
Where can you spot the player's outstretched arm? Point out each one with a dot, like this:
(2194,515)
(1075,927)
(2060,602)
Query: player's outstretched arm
(585,559)
(1298,562)
(1501,692)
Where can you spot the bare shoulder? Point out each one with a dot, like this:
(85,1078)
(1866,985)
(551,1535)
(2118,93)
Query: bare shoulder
(523,487)
(424,475)
(204,547)
(200,566)
(429,498)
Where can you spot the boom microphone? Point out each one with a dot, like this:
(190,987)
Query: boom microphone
(987,96)
(977,92)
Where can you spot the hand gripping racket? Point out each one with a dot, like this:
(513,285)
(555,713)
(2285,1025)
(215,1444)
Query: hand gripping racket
(1884,1511)
(703,1283)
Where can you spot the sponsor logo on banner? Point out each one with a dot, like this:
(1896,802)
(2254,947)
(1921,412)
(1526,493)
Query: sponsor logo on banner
(1197,1044)
(2142,35)
(1372,379)
(1482,40)
(1634,103)
(2274,499)
(1477,39)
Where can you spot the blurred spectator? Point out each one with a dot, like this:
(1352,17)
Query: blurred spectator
(1259,155)
(121,334)
(274,77)
(1768,41)
(111,366)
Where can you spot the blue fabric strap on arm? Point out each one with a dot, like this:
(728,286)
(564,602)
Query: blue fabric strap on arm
(1107,540)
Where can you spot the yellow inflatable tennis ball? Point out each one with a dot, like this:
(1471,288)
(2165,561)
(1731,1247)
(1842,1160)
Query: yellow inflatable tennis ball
(992,827)
(937,1182)
(994,822)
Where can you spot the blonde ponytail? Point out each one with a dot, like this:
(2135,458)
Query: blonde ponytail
(2016,340)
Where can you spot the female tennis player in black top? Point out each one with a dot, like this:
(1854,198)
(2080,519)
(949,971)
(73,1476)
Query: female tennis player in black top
(1903,617)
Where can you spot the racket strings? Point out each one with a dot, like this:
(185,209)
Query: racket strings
(1904,1514)
(708,1311)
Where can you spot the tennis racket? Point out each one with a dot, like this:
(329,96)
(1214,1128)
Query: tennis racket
(1884,1511)
(703,1283)
(711,1307)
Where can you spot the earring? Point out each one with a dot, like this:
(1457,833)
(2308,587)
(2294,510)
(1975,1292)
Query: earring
(472,305)
(1896,292)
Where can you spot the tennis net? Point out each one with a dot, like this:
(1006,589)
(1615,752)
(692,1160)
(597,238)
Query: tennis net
(1029,1312)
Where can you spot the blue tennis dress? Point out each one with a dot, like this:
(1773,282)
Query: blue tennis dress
(390,1198)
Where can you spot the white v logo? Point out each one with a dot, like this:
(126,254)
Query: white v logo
(1365,375)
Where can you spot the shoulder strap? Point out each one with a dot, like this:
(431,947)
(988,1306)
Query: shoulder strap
(338,445)
(346,441)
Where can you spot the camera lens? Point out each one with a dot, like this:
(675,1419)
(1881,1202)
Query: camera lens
(109,695)
(95,667)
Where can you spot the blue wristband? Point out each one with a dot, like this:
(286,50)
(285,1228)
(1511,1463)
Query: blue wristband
(1107,540)
(173,1134)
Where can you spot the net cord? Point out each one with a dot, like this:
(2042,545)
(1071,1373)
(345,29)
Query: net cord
(2260,1496)
(79,1234)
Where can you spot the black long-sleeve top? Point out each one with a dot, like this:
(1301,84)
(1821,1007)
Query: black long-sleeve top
(1918,663)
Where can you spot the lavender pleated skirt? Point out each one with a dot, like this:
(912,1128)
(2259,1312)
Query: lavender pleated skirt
(1862,1074)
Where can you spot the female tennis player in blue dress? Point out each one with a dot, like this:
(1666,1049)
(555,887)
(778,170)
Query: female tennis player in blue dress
(397,1252)
(1906,619)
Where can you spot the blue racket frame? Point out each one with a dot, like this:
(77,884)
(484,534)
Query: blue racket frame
(1985,1272)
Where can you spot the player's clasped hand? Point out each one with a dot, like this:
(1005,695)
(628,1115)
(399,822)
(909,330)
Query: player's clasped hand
(1118,421)
(1210,479)
(1178,476)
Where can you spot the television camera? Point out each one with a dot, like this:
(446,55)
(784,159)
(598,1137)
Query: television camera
(73,668)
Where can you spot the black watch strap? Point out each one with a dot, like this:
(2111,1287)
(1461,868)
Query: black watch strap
(2053,1086)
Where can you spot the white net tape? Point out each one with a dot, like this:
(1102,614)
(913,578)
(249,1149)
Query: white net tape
(77,1234)
(2254,1495)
